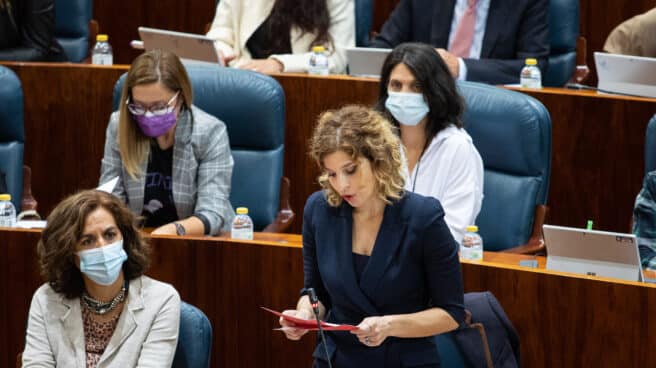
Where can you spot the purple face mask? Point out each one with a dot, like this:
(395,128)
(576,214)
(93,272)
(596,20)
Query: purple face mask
(155,125)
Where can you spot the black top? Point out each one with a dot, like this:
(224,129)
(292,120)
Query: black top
(3,183)
(360,263)
(260,43)
(159,208)
(27,32)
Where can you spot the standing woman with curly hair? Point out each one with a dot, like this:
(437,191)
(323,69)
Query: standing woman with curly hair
(378,257)
(97,308)
(27,31)
(270,36)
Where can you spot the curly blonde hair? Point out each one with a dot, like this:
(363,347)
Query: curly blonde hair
(360,131)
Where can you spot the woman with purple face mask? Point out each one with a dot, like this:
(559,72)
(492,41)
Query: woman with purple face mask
(172,159)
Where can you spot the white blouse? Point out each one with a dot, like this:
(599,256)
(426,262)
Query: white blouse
(451,170)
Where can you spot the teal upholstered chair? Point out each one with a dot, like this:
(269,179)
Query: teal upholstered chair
(12,134)
(194,339)
(512,132)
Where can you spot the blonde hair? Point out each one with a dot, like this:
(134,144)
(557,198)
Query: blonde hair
(150,67)
(360,131)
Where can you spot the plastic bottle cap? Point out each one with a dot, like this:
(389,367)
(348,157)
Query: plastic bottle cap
(102,38)
(531,61)
(242,210)
(5,197)
(318,49)
(472,228)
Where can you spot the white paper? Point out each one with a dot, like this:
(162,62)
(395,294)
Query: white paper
(108,186)
(31,224)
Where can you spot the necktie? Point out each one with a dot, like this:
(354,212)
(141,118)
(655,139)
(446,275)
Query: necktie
(464,36)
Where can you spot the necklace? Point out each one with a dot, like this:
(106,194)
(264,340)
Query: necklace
(102,308)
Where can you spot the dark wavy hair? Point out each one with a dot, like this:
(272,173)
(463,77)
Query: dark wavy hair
(56,248)
(437,85)
(308,15)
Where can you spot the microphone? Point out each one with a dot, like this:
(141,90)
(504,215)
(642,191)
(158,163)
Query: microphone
(314,302)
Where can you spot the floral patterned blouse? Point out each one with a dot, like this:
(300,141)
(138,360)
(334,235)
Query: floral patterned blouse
(96,335)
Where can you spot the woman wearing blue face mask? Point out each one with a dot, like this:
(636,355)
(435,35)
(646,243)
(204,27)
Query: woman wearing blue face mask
(173,160)
(97,308)
(419,95)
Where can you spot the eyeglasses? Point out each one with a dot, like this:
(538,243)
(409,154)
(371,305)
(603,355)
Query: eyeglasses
(157,109)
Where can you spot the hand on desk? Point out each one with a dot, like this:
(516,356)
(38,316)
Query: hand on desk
(223,58)
(168,229)
(451,62)
(289,329)
(372,331)
(264,66)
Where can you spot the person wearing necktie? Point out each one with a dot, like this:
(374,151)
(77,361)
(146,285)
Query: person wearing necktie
(480,40)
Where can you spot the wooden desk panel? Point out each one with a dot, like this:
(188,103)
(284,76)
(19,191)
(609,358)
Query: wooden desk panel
(563,320)
(597,156)
(598,140)
(67,108)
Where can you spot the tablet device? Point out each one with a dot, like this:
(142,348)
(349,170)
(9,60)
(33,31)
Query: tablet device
(625,74)
(592,252)
(187,46)
(365,61)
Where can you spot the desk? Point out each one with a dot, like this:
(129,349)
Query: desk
(563,320)
(598,140)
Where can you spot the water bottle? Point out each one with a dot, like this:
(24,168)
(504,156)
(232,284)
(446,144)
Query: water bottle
(319,61)
(530,77)
(472,245)
(102,51)
(242,225)
(7,211)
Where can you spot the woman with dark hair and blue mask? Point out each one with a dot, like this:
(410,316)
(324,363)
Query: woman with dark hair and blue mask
(419,95)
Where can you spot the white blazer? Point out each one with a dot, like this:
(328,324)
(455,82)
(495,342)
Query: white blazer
(451,170)
(236,20)
(146,334)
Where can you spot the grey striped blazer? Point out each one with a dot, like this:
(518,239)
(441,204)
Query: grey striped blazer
(202,169)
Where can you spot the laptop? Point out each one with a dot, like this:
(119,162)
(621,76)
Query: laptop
(366,62)
(625,74)
(186,46)
(592,252)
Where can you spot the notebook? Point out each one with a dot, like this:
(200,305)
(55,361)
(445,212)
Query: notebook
(592,252)
(186,46)
(366,62)
(625,74)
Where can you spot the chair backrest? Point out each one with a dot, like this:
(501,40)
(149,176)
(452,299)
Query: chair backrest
(650,146)
(512,132)
(72,27)
(563,33)
(363,19)
(194,339)
(12,134)
(450,354)
(252,106)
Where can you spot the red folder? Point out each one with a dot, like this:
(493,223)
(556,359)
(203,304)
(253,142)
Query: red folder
(311,324)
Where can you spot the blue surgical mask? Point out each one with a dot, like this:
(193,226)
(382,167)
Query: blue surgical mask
(407,108)
(103,265)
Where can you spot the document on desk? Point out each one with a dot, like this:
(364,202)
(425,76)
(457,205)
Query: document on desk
(311,324)
(108,186)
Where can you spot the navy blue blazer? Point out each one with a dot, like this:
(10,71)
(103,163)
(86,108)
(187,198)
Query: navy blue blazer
(515,30)
(414,266)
